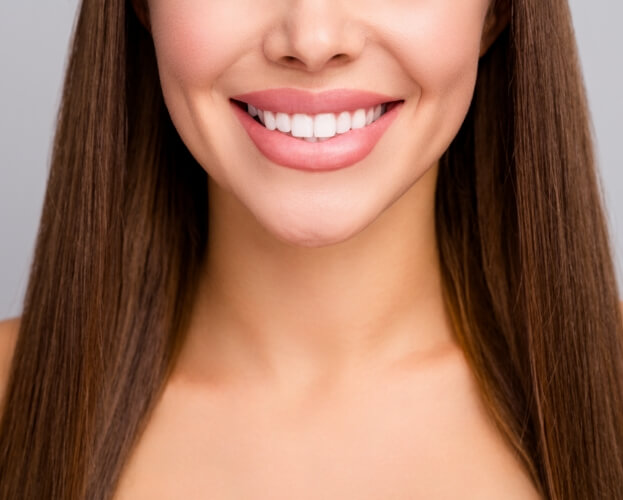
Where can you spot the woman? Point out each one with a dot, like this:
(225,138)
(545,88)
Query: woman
(312,249)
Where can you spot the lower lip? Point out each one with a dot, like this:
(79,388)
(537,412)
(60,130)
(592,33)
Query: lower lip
(340,151)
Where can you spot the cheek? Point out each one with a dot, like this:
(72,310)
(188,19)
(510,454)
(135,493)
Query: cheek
(196,40)
(438,43)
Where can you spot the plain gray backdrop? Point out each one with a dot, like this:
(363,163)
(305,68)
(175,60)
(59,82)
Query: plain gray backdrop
(34,38)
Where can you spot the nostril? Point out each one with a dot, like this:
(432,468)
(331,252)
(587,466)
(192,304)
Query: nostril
(297,62)
(292,62)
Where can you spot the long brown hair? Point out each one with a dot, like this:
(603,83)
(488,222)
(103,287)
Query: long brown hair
(525,253)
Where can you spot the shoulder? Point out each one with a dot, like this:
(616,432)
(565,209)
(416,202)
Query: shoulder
(8,339)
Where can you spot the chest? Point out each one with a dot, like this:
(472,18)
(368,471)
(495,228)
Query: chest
(432,441)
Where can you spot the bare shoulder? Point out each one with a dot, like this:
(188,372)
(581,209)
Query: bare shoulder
(8,339)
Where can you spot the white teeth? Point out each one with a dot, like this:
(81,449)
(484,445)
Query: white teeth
(320,127)
(343,122)
(359,119)
(377,112)
(283,123)
(369,116)
(269,120)
(325,125)
(302,125)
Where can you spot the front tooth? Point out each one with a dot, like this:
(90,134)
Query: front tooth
(343,122)
(311,139)
(359,119)
(283,122)
(325,125)
(269,120)
(302,125)
(252,110)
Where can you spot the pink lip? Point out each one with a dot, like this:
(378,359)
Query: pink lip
(340,151)
(292,101)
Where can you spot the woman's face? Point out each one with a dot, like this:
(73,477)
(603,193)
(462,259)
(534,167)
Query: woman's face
(422,53)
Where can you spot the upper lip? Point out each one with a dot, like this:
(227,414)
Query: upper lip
(291,101)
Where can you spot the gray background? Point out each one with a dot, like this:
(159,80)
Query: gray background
(34,37)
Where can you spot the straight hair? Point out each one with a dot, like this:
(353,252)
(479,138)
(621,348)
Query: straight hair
(527,267)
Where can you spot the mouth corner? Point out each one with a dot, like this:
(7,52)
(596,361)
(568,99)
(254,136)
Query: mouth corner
(240,104)
(391,105)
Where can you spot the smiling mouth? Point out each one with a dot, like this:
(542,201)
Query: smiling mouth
(320,127)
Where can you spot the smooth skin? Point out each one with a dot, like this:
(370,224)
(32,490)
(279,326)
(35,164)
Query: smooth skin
(320,361)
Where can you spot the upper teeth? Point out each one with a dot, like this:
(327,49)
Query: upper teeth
(321,126)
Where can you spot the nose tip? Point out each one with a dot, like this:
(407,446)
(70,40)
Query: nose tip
(313,35)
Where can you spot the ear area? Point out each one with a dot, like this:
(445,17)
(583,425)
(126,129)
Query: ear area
(498,18)
(142,13)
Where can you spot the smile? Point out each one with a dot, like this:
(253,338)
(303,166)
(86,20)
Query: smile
(317,132)
(319,127)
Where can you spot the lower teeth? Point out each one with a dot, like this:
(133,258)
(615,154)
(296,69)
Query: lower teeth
(313,139)
(308,139)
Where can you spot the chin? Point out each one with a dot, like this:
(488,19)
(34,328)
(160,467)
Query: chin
(314,232)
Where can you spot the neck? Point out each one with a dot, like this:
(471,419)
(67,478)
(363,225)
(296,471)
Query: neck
(267,307)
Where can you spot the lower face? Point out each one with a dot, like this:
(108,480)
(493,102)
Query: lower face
(311,180)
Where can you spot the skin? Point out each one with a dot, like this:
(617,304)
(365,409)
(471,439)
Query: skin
(293,256)
(320,361)
(319,335)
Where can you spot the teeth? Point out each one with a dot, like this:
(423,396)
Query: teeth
(359,119)
(325,125)
(302,125)
(320,127)
(343,122)
(377,112)
(283,123)
(269,120)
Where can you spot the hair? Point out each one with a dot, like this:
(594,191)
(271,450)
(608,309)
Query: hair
(526,261)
